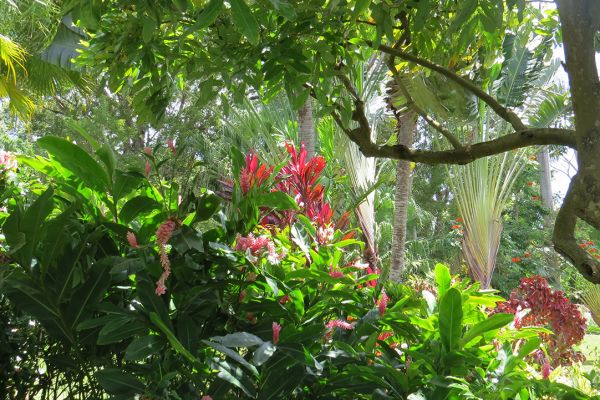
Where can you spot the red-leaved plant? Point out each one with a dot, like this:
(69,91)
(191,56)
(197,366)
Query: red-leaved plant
(534,303)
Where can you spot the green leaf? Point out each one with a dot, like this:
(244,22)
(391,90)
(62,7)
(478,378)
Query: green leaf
(263,353)
(283,7)
(232,354)
(76,160)
(451,315)
(276,200)
(125,183)
(239,339)
(209,14)
(442,279)
(175,343)
(89,293)
(108,157)
(360,7)
(115,381)
(24,232)
(206,207)
(143,347)
(137,206)
(118,329)
(244,20)
(148,29)
(494,322)
(529,346)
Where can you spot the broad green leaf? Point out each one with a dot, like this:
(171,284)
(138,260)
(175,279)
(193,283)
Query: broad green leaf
(232,354)
(175,343)
(209,14)
(24,232)
(137,206)
(263,353)
(276,200)
(206,206)
(125,183)
(283,7)
(115,381)
(529,346)
(494,322)
(442,279)
(360,7)
(107,155)
(239,339)
(76,160)
(119,329)
(244,20)
(89,293)
(450,316)
(143,347)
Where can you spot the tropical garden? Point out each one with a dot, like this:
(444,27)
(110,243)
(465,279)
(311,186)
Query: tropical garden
(279,199)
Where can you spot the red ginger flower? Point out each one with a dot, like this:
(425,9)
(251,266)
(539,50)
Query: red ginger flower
(335,273)
(206,397)
(455,226)
(171,146)
(148,151)
(276,330)
(284,299)
(516,259)
(384,335)
(382,303)
(253,175)
(147,168)
(459,219)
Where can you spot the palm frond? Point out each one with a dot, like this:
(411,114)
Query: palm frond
(591,298)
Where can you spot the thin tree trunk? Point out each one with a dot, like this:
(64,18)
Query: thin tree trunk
(306,128)
(405,131)
(543,158)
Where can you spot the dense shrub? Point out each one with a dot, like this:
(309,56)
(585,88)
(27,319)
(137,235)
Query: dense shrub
(148,289)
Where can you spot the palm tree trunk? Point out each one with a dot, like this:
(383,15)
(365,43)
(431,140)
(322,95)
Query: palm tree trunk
(543,158)
(405,132)
(306,128)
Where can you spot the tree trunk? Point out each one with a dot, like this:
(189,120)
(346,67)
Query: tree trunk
(580,21)
(543,158)
(405,132)
(306,128)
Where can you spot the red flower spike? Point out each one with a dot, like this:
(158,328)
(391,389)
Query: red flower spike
(276,330)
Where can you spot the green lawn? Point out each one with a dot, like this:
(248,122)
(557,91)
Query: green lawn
(591,349)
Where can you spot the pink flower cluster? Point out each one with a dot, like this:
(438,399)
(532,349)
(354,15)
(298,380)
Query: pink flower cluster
(256,246)
(163,235)
(276,330)
(7,161)
(338,323)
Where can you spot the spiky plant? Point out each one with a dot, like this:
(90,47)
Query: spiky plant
(591,298)
(483,188)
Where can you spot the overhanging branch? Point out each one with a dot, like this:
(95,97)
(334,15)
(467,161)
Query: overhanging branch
(503,112)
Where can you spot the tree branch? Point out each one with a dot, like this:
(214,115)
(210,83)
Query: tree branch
(433,123)
(498,108)
(564,236)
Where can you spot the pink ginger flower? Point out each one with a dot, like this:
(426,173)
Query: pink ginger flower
(335,273)
(163,235)
(242,296)
(338,323)
(546,369)
(7,161)
(148,151)
(206,397)
(171,146)
(147,168)
(132,240)
(256,246)
(324,235)
(384,335)
(276,330)
(382,303)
